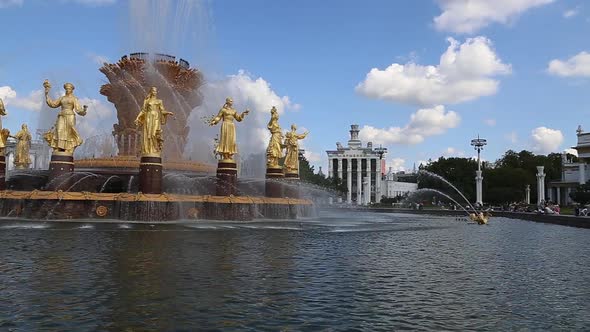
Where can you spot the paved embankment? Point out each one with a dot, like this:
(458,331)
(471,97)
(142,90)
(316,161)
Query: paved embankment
(564,220)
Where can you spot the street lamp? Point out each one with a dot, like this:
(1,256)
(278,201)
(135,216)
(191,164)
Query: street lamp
(378,176)
(478,144)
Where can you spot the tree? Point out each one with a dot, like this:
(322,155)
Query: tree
(582,194)
(307,174)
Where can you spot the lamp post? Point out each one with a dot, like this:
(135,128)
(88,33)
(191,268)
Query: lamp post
(378,176)
(478,144)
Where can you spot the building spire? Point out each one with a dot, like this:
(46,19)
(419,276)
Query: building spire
(354,141)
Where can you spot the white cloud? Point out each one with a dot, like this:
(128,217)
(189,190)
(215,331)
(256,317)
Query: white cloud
(10,3)
(571,151)
(546,140)
(99,118)
(425,122)
(468,16)
(255,94)
(571,13)
(312,157)
(32,102)
(464,73)
(578,65)
(490,122)
(397,164)
(453,152)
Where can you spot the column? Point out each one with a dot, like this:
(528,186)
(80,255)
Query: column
(528,194)
(582,173)
(359,181)
(368,189)
(540,184)
(478,188)
(378,193)
(349,181)
(339,161)
(558,192)
(367,196)
(330,167)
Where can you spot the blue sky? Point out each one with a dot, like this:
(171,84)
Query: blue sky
(513,71)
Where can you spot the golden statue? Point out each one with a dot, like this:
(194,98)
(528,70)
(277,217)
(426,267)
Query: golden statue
(4,134)
(22,159)
(64,137)
(227,141)
(274,151)
(151,117)
(2,113)
(292,153)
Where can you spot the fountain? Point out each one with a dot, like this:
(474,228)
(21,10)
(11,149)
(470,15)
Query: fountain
(478,217)
(148,179)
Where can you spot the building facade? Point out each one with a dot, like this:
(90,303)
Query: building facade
(360,168)
(572,173)
(399,184)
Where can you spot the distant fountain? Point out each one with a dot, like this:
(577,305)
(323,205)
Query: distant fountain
(424,190)
(434,175)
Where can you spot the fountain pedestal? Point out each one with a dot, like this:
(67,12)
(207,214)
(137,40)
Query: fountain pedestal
(60,167)
(150,175)
(291,185)
(2,172)
(227,178)
(273,187)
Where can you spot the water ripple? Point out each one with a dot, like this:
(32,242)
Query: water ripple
(358,271)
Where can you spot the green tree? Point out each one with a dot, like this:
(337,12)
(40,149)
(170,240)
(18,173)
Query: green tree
(582,194)
(307,174)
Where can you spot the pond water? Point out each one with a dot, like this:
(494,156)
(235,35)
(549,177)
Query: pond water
(339,271)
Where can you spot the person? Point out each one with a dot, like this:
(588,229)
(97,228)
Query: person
(274,151)
(150,119)
(64,137)
(227,141)
(292,146)
(22,159)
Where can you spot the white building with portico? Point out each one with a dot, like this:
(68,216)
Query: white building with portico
(572,173)
(360,168)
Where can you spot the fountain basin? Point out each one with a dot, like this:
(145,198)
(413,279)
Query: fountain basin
(57,205)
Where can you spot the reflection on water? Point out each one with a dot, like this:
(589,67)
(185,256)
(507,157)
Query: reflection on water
(337,272)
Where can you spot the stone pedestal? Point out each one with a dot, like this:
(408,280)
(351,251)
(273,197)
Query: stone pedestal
(61,168)
(291,189)
(273,187)
(150,175)
(2,172)
(227,178)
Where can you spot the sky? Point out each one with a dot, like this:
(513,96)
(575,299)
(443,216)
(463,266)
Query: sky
(421,78)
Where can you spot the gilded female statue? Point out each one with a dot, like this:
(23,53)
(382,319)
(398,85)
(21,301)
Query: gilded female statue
(64,137)
(227,139)
(2,113)
(292,154)
(22,159)
(274,151)
(151,118)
